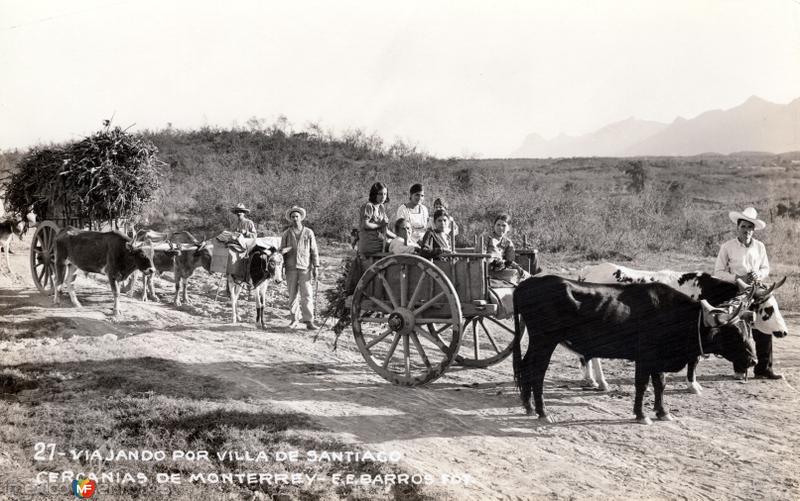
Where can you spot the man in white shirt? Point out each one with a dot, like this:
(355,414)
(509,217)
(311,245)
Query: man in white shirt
(746,258)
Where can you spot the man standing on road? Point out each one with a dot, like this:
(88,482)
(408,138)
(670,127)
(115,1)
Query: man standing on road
(745,257)
(301,258)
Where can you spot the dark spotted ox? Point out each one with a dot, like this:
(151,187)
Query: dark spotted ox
(111,253)
(657,327)
(8,229)
(767,317)
(263,265)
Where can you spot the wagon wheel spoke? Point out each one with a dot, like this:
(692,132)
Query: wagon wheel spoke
(430,302)
(388,289)
(380,304)
(433,337)
(417,290)
(501,324)
(421,351)
(372,320)
(391,350)
(41,274)
(489,336)
(404,286)
(380,337)
(477,345)
(449,321)
(406,356)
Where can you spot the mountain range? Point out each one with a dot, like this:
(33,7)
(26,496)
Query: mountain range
(755,125)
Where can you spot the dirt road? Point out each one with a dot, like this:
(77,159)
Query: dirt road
(736,441)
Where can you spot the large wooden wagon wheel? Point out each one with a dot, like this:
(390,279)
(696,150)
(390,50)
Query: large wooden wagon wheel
(43,256)
(406,319)
(487,340)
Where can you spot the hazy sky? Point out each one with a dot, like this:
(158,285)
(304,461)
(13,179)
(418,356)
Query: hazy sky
(453,77)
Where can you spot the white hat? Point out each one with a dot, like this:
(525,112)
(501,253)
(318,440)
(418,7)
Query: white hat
(295,208)
(749,214)
(240,208)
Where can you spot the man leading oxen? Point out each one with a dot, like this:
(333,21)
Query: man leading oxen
(110,253)
(745,258)
(767,317)
(657,327)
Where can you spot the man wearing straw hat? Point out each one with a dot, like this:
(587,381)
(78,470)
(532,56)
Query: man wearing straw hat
(244,225)
(301,260)
(746,258)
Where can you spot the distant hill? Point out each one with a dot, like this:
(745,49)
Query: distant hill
(754,126)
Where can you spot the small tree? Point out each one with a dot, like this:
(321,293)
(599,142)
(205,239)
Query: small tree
(638,176)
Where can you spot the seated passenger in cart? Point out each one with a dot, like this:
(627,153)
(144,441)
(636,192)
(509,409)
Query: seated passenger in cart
(403,243)
(373,231)
(504,273)
(436,240)
(503,269)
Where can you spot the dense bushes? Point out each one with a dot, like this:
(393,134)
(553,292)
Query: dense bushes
(601,208)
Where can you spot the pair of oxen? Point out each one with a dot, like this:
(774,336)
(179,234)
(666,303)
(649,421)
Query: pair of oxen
(118,256)
(663,321)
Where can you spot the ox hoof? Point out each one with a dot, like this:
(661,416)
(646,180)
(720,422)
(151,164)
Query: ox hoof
(644,420)
(590,384)
(695,388)
(546,419)
(666,417)
(603,386)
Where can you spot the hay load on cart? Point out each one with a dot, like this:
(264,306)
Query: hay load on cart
(98,183)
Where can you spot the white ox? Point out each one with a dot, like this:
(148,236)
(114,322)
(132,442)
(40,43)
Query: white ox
(697,285)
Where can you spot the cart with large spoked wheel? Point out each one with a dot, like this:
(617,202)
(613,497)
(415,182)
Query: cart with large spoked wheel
(98,183)
(413,317)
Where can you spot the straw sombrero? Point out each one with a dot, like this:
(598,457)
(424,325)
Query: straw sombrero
(240,208)
(295,208)
(749,214)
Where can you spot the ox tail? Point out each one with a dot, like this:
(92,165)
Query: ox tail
(516,357)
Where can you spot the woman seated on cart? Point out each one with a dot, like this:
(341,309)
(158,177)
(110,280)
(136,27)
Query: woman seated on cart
(503,269)
(436,240)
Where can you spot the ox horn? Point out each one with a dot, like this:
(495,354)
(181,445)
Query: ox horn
(743,286)
(773,287)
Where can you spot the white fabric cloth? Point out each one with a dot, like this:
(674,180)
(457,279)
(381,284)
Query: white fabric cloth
(418,218)
(735,258)
(398,246)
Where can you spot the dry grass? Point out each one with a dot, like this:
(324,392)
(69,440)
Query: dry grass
(155,404)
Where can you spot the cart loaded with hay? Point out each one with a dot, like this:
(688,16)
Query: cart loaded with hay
(413,317)
(100,183)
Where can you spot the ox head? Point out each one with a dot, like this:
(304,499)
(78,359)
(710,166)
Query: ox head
(275,265)
(729,332)
(767,316)
(19,228)
(203,254)
(142,253)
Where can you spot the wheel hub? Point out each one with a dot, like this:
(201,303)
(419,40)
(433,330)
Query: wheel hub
(401,320)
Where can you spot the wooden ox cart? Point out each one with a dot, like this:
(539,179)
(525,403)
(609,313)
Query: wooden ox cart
(413,317)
